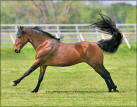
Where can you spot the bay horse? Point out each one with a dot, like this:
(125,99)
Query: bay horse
(50,51)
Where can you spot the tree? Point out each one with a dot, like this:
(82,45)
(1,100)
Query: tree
(121,10)
(61,12)
(41,6)
(45,11)
(66,10)
(132,16)
(6,16)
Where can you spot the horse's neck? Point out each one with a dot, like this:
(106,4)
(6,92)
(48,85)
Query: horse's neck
(38,40)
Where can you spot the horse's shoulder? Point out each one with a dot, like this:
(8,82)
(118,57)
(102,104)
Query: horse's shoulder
(45,48)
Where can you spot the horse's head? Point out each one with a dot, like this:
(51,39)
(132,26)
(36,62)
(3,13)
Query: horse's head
(21,39)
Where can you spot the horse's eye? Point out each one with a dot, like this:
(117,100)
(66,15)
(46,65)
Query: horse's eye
(19,36)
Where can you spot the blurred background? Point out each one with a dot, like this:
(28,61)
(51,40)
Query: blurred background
(65,12)
(67,18)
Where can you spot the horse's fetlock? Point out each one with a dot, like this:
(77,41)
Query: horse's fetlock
(110,90)
(114,87)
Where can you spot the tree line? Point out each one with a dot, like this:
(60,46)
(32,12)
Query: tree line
(62,12)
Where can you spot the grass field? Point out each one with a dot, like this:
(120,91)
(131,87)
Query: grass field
(77,85)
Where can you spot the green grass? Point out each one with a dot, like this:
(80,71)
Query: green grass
(77,85)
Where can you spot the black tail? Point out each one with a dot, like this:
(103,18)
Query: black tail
(107,25)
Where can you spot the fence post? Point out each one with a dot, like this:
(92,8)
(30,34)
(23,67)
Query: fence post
(77,33)
(135,28)
(58,31)
(102,35)
(81,37)
(12,39)
(57,35)
(97,33)
(126,41)
(16,29)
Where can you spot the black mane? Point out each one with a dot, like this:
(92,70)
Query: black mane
(41,31)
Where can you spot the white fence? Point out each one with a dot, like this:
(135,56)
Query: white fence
(71,32)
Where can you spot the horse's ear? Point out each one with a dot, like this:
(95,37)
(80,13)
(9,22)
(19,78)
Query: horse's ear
(21,27)
(18,27)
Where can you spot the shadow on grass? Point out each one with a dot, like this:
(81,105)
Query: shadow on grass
(81,92)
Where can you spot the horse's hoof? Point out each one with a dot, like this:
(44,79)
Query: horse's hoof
(115,90)
(13,84)
(34,91)
(109,90)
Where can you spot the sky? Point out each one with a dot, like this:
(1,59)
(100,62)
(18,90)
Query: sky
(130,2)
(108,2)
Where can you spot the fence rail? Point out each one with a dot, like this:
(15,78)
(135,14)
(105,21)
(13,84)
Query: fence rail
(71,32)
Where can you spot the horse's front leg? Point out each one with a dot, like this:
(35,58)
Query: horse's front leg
(41,75)
(32,68)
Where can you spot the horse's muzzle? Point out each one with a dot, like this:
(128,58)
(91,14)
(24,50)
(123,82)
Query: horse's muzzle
(17,51)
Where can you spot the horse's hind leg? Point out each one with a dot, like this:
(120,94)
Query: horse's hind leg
(100,69)
(111,81)
(94,58)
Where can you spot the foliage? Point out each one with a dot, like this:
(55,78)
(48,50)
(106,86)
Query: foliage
(7,14)
(132,16)
(121,11)
(25,12)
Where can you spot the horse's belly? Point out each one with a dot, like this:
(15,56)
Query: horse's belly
(60,61)
(63,64)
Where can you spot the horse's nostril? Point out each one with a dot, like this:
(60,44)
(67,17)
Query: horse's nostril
(16,50)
